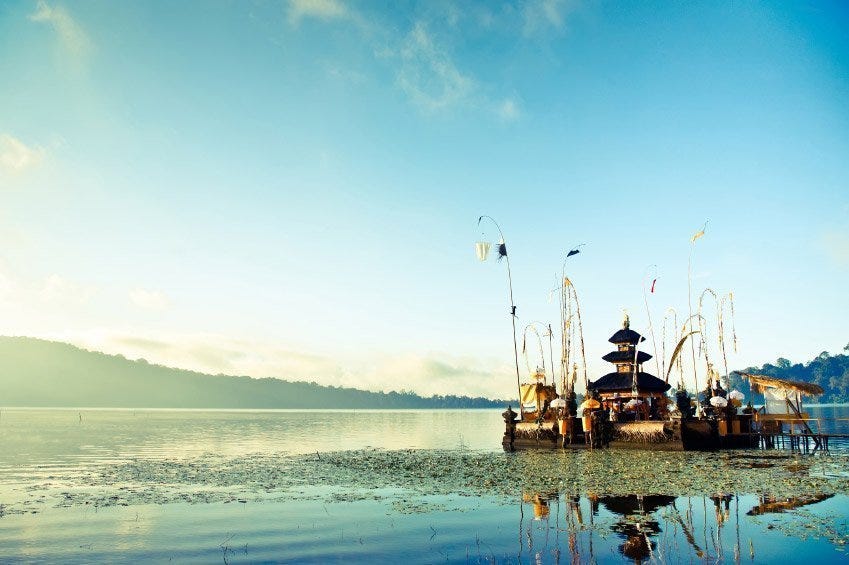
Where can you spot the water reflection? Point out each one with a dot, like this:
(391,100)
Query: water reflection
(637,524)
(652,528)
(773,504)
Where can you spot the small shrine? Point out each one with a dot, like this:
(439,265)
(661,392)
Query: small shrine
(537,396)
(629,389)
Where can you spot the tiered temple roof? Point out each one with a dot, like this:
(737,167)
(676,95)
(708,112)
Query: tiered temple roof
(629,364)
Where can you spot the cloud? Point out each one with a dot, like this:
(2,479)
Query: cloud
(425,68)
(58,289)
(445,374)
(72,37)
(7,287)
(427,73)
(214,354)
(16,156)
(541,15)
(149,299)
(508,110)
(836,245)
(320,9)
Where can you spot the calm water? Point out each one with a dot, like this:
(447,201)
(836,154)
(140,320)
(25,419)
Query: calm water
(308,486)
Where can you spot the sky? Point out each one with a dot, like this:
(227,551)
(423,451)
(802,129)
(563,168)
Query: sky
(292,188)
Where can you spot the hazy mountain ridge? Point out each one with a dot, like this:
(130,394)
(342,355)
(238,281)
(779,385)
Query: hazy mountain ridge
(36,372)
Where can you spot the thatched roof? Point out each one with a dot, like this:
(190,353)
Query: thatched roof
(626,335)
(612,382)
(761,382)
(626,357)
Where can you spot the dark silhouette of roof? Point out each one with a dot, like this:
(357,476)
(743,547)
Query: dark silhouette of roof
(623,381)
(630,504)
(626,335)
(626,357)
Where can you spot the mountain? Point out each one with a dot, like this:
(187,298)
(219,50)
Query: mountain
(831,372)
(35,372)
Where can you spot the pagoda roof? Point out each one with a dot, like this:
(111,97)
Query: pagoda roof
(626,335)
(623,381)
(630,504)
(626,357)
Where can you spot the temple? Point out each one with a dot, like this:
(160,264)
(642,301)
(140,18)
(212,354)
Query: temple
(629,391)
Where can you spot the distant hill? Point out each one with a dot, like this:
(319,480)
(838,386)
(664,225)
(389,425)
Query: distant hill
(831,372)
(35,372)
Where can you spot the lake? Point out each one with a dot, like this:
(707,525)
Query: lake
(425,486)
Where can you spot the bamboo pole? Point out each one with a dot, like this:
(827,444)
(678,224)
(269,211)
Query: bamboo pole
(580,329)
(512,307)
(648,315)
(693,239)
(532,326)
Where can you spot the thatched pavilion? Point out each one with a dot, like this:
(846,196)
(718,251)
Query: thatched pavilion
(783,402)
(781,396)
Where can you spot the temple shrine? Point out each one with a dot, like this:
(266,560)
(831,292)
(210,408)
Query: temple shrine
(629,392)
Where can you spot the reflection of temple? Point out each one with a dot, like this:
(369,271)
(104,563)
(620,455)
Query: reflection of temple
(636,525)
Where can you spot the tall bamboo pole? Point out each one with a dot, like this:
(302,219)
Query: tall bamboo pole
(693,239)
(663,340)
(688,323)
(566,322)
(551,352)
(690,309)
(648,314)
(532,326)
(566,281)
(512,307)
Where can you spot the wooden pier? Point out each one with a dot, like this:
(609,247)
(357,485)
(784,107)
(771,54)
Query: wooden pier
(802,434)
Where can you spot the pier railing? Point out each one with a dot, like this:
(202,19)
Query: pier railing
(804,434)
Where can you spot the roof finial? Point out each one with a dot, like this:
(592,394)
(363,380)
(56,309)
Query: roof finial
(626,321)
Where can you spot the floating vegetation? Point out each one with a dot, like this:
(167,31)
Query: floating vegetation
(375,474)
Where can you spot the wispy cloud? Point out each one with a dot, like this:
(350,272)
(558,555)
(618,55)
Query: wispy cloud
(429,75)
(320,9)
(425,67)
(16,156)
(58,289)
(508,110)
(543,15)
(149,299)
(71,35)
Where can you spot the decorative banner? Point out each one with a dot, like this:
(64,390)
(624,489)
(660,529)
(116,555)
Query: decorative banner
(502,250)
(698,234)
(652,285)
(575,251)
(482,250)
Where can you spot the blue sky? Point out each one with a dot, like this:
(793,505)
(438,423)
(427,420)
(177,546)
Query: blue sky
(291,188)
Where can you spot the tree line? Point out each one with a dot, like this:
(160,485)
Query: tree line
(831,372)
